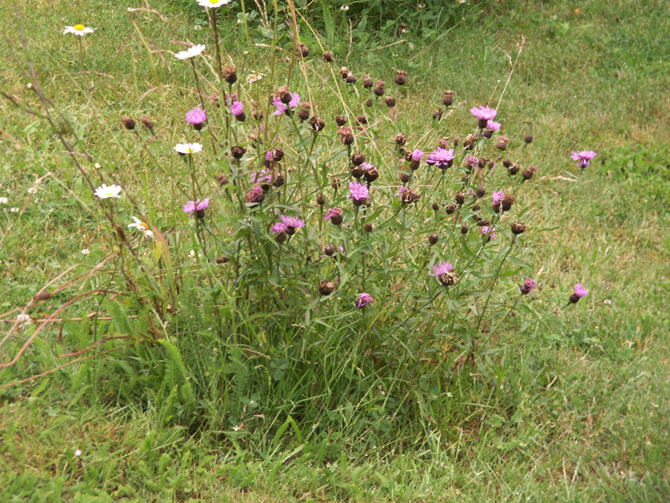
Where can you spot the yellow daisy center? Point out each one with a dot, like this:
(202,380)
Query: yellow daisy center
(144,226)
(189,149)
(213,1)
(79,27)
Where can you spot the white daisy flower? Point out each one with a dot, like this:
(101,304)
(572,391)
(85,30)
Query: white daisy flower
(78,29)
(344,8)
(105,192)
(23,319)
(211,4)
(188,148)
(4,200)
(143,226)
(191,52)
(85,251)
(254,77)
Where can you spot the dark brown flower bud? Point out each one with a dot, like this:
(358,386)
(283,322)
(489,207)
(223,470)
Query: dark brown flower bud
(222,179)
(507,202)
(448,278)
(481,191)
(400,139)
(229,74)
(460,198)
(451,208)
(518,228)
(379,88)
(335,183)
(128,123)
(483,223)
(390,102)
(437,115)
(357,159)
(476,207)
(329,250)
(42,296)
(367,81)
(401,77)
(436,207)
(303,50)
(528,139)
(574,298)
(369,227)
(469,142)
(277,154)
(147,123)
(320,200)
(369,103)
(222,260)
(278,180)
(304,111)
(328,57)
(514,169)
(507,163)
(371,174)
(496,207)
(284,94)
(455,142)
(464,229)
(340,120)
(120,232)
(326,287)
(414,164)
(361,120)
(280,237)
(237,152)
(347,139)
(356,171)
(448,98)
(404,177)
(317,124)
(487,133)
(529,172)
(442,143)
(350,79)
(432,239)
(502,143)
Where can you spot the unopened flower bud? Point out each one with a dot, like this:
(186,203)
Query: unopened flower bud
(329,250)
(460,197)
(326,287)
(481,192)
(357,159)
(147,123)
(487,133)
(451,208)
(340,120)
(514,169)
(369,227)
(356,171)
(448,98)
(335,183)
(278,180)
(464,229)
(507,163)
(367,81)
(280,237)
(304,50)
(128,123)
(469,142)
(437,115)
(518,228)
(317,124)
(401,77)
(390,102)
(369,103)
(502,143)
(528,139)
(320,200)
(237,152)
(400,139)
(351,78)
(436,207)
(529,172)
(229,74)
(379,88)
(371,174)
(328,57)
(476,207)
(507,202)
(222,260)
(284,94)
(120,232)
(432,239)
(344,71)
(404,177)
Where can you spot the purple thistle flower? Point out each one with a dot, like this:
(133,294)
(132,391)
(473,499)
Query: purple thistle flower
(580,291)
(194,206)
(363,300)
(294,222)
(279,227)
(264,177)
(365,166)
(295,100)
(196,116)
(237,108)
(418,154)
(359,192)
(333,213)
(584,157)
(269,155)
(528,286)
(440,269)
(442,158)
(472,161)
(483,113)
(255,195)
(492,126)
(497,196)
(489,231)
(282,108)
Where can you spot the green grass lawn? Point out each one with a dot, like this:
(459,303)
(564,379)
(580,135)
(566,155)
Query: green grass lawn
(577,412)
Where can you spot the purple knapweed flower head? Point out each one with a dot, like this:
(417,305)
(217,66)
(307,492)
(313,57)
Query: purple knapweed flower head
(489,231)
(580,291)
(584,157)
(497,196)
(358,192)
(333,213)
(255,195)
(417,155)
(366,166)
(442,158)
(483,113)
(237,108)
(264,177)
(279,227)
(196,116)
(194,206)
(363,300)
(269,155)
(492,126)
(294,222)
(282,108)
(528,286)
(472,161)
(441,269)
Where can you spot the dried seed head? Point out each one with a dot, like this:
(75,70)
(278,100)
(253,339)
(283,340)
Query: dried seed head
(237,152)
(437,115)
(369,227)
(222,179)
(369,103)
(483,223)
(335,184)
(409,197)
(518,228)
(358,159)
(528,139)
(400,139)
(229,74)
(464,229)
(344,71)
(469,142)
(507,163)
(390,102)
(222,260)
(356,171)
(432,239)
(284,94)
(448,98)
(361,120)
(460,197)
(277,154)
(304,50)
(507,202)
(326,287)
(367,81)
(278,180)
(476,207)
(514,169)
(347,139)
(404,177)
(328,57)
(128,123)
(448,278)
(350,79)
(379,88)
(371,174)
(147,122)
(317,124)
(481,191)
(529,172)
(340,120)
(451,208)
(502,143)
(401,77)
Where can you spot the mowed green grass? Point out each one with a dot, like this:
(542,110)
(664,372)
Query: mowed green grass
(591,401)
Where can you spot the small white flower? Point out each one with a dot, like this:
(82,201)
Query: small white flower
(607,301)
(139,224)
(4,200)
(105,192)
(191,52)
(30,85)
(23,319)
(197,27)
(85,251)
(97,165)
(77,452)
(237,428)
(422,6)
(240,21)
(344,8)
(212,4)
(78,29)
(32,190)
(14,210)
(188,148)
(254,77)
